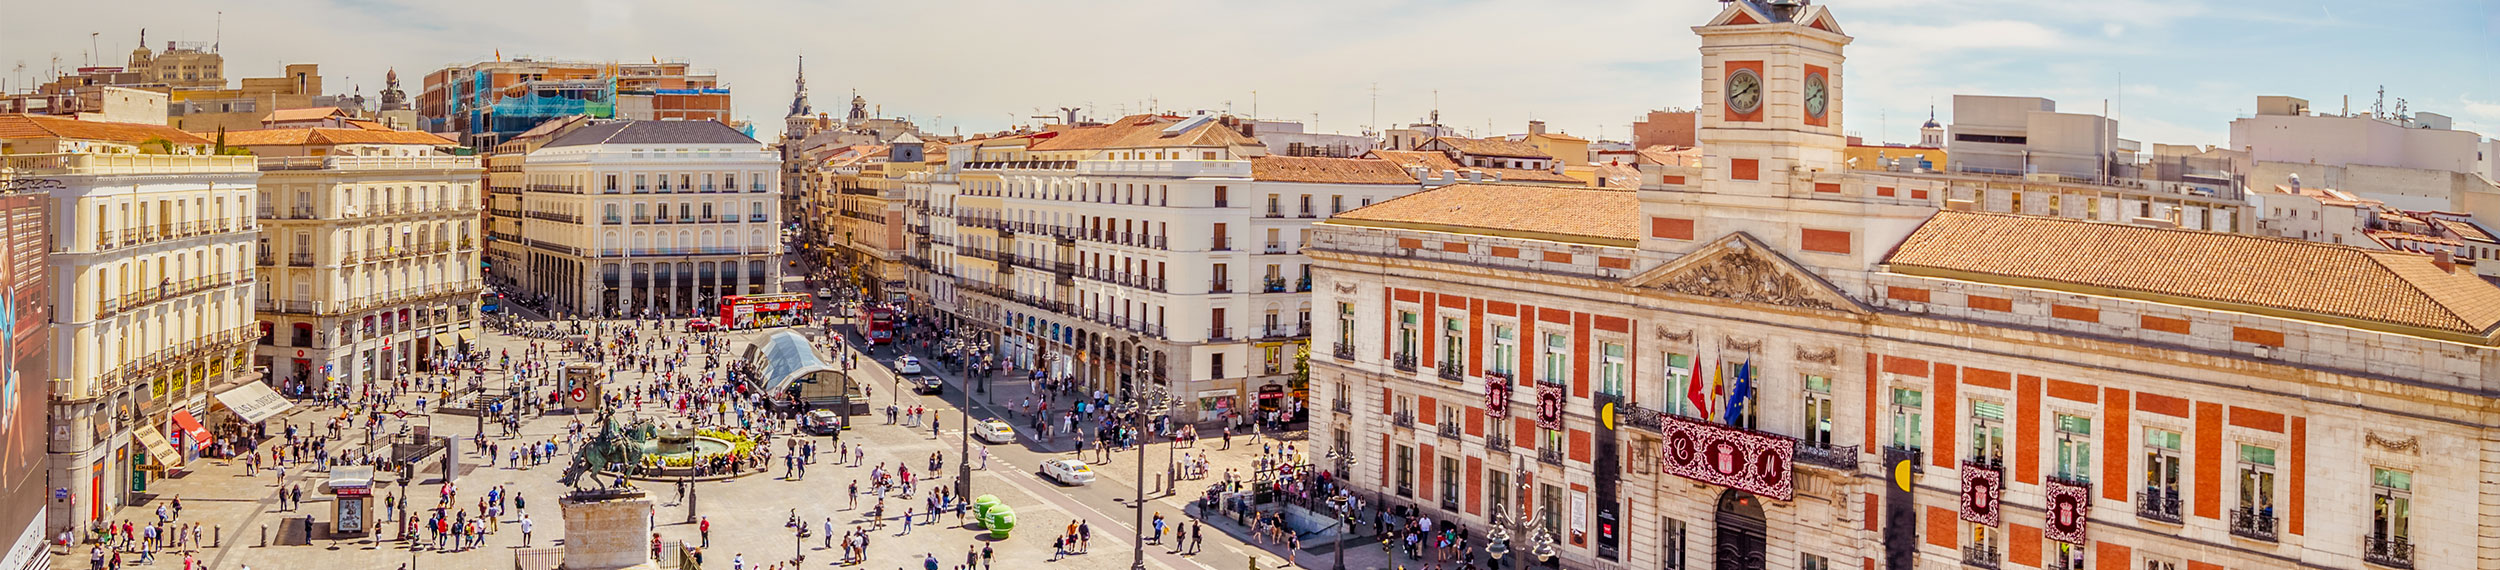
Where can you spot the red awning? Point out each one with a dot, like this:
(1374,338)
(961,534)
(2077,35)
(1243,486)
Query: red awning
(191,428)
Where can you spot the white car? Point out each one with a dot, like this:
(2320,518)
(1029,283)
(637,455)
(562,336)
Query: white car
(994,431)
(907,365)
(1068,471)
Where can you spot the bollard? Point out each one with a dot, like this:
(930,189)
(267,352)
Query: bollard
(264,535)
(218,536)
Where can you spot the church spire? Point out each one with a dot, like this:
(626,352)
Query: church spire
(798,101)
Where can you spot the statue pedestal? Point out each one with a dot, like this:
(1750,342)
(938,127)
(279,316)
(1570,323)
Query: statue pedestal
(607,530)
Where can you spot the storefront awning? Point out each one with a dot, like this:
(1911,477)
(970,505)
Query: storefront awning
(191,428)
(468,334)
(254,402)
(159,449)
(444,341)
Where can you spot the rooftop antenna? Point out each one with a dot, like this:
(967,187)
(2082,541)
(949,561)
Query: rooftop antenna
(1254,102)
(1375,120)
(1436,107)
(2378,107)
(217,40)
(94,53)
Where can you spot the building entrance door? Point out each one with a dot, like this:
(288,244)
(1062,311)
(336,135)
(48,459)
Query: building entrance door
(1741,531)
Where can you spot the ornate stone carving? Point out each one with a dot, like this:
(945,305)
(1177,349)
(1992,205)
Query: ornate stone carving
(1744,275)
(1342,287)
(1824,355)
(2410,445)
(1739,344)
(1674,336)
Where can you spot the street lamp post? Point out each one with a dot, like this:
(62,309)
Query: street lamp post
(963,459)
(1344,504)
(1497,541)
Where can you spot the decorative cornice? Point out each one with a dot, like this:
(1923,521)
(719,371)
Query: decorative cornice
(1343,287)
(1685,335)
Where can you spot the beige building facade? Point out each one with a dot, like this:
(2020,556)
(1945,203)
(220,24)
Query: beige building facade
(369,254)
(153,243)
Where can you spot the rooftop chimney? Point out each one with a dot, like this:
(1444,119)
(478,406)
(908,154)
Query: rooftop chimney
(1958,205)
(2446,261)
(1536,127)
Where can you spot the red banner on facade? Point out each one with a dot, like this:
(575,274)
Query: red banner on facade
(1549,405)
(1496,396)
(2070,507)
(1983,492)
(1748,461)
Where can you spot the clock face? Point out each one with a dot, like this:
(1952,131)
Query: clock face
(1744,91)
(1818,98)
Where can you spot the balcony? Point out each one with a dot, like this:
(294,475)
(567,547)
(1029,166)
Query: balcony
(2071,480)
(1220,244)
(1918,457)
(1404,362)
(1303,286)
(2254,524)
(2158,504)
(1448,429)
(1495,443)
(1342,406)
(1549,455)
(1453,370)
(1280,331)
(1840,457)
(1220,286)
(1404,419)
(81,163)
(1274,212)
(1272,285)
(1220,333)
(1982,556)
(1274,249)
(2383,550)
(1345,351)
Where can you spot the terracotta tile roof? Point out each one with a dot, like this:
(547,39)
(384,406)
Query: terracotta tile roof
(2280,277)
(1583,215)
(318,136)
(1492,147)
(1434,162)
(1619,176)
(1559,137)
(1140,131)
(1671,155)
(2467,230)
(304,114)
(366,125)
(2387,237)
(1328,170)
(50,127)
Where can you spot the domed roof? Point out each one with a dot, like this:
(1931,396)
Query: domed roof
(1931,124)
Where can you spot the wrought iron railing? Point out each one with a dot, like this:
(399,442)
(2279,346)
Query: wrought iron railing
(2392,552)
(1841,457)
(2254,524)
(2158,504)
(1453,371)
(1549,455)
(1982,556)
(1448,429)
(1404,419)
(1342,406)
(1496,444)
(1404,362)
(1345,351)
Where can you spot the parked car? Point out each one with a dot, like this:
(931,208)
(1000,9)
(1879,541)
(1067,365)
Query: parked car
(994,431)
(1068,471)
(702,325)
(822,422)
(907,365)
(928,385)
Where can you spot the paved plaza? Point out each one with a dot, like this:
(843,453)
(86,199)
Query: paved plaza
(243,523)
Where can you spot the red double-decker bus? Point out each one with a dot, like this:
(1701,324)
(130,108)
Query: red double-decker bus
(770,310)
(877,324)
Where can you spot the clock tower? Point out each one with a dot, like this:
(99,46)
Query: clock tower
(1771,85)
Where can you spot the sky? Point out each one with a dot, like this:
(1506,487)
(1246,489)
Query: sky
(2172,71)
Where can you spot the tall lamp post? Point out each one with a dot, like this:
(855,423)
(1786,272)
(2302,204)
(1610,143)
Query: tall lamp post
(1541,542)
(963,458)
(1344,504)
(1137,402)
